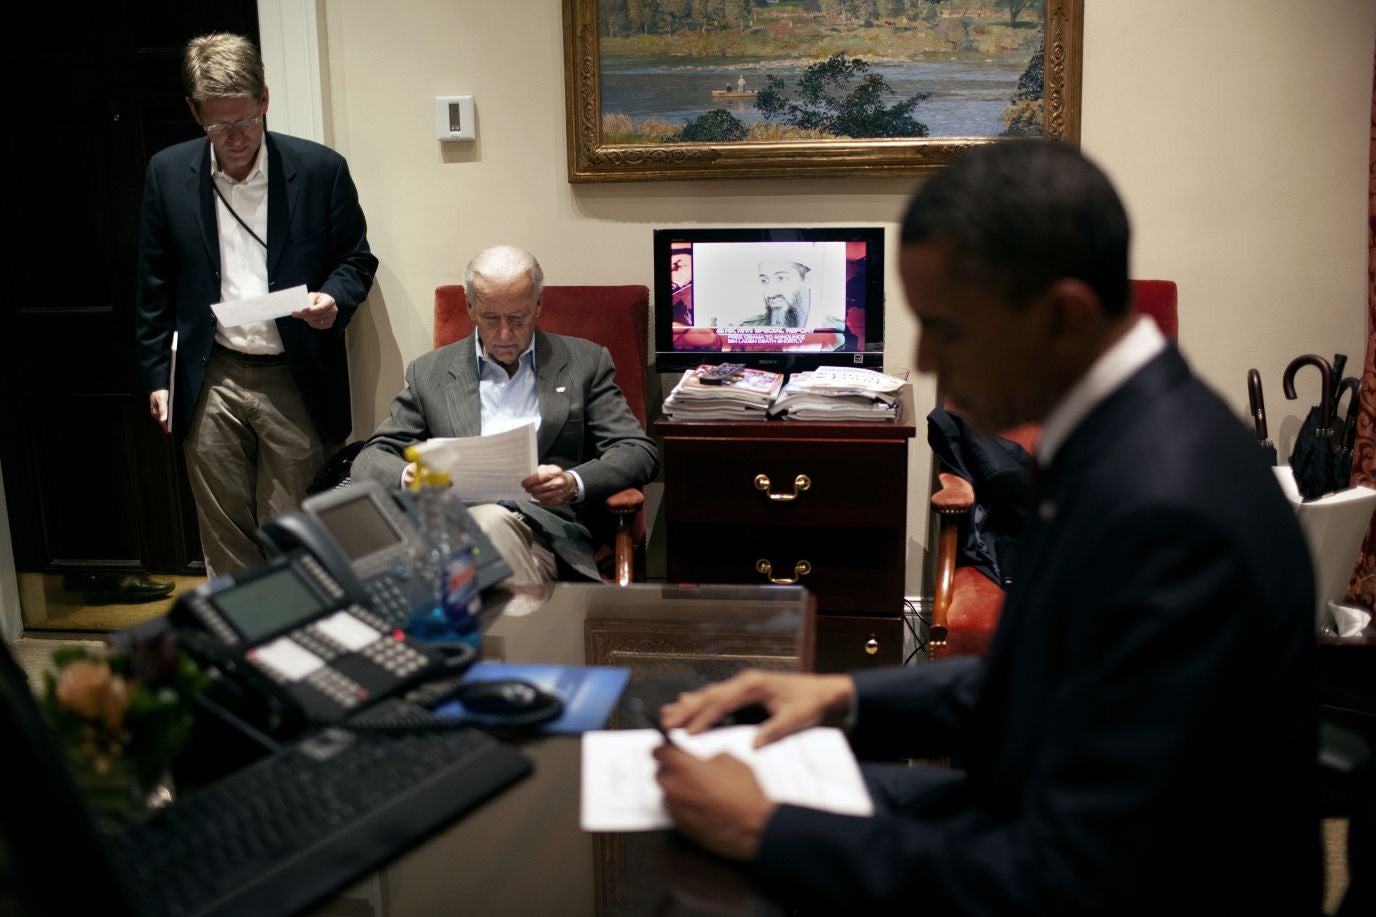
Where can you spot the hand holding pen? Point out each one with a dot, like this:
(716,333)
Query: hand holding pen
(638,708)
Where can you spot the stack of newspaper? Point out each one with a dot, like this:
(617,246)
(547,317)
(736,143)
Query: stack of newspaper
(838,393)
(746,395)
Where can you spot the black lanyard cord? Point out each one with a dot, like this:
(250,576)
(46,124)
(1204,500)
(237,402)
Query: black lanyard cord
(238,219)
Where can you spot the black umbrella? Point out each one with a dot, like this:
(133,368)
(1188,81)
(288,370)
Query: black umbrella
(1339,364)
(1312,459)
(1345,437)
(1268,448)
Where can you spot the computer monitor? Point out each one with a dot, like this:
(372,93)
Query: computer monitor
(783,299)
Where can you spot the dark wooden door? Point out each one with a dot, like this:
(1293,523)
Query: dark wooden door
(91,482)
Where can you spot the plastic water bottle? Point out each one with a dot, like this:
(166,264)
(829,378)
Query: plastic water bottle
(450,611)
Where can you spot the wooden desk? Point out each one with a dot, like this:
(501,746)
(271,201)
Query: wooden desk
(522,852)
(824,505)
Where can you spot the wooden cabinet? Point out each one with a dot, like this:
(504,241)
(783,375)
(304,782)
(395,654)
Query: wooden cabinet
(824,505)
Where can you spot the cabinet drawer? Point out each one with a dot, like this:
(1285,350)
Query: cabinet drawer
(849,642)
(848,483)
(852,569)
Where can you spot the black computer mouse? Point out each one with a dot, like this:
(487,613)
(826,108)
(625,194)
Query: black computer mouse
(509,701)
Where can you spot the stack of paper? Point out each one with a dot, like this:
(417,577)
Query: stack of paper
(813,768)
(838,393)
(485,469)
(745,396)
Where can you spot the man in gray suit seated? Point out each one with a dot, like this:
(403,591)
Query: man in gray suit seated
(508,373)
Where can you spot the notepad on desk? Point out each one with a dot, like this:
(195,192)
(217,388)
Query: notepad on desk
(813,768)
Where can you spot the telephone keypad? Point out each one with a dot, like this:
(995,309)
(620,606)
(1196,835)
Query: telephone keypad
(322,646)
(337,687)
(372,620)
(323,579)
(387,598)
(396,657)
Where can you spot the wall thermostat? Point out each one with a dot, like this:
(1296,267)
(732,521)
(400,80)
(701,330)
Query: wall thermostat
(454,118)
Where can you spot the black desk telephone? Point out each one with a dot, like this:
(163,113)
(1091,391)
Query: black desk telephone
(317,633)
(368,541)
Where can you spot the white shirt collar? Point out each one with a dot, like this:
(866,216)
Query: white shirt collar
(482,357)
(1114,366)
(259,172)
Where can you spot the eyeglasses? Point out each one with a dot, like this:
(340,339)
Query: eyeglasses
(221,128)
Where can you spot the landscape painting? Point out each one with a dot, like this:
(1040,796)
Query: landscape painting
(721,88)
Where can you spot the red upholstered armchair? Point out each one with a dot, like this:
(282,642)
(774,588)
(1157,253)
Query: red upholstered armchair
(617,317)
(965,602)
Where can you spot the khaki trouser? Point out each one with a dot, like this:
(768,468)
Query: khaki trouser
(526,553)
(251,450)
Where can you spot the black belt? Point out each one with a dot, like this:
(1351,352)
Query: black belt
(253,359)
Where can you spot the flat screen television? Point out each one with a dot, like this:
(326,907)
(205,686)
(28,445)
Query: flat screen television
(779,299)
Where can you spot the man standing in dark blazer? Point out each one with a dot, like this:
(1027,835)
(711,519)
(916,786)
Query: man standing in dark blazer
(1140,738)
(508,373)
(239,214)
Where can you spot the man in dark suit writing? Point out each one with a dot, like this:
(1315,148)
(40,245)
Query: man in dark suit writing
(238,214)
(508,373)
(1140,738)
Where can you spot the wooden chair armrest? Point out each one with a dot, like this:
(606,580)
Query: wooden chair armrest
(956,495)
(951,503)
(626,502)
(623,505)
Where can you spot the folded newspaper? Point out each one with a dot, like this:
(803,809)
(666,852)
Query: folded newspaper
(838,393)
(746,395)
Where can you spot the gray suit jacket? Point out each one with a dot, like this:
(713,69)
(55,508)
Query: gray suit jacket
(585,426)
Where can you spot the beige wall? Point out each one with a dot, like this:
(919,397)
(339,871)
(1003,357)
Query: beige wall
(1236,130)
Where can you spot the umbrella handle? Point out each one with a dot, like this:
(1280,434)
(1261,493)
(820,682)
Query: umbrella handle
(1258,404)
(1353,405)
(1339,364)
(1325,371)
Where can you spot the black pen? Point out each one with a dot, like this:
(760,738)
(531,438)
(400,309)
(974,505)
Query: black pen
(638,706)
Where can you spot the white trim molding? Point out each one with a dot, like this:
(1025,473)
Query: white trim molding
(289,38)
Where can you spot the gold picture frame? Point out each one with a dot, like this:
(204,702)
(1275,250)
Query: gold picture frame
(591,159)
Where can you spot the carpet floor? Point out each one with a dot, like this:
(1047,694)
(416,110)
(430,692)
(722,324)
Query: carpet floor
(46,605)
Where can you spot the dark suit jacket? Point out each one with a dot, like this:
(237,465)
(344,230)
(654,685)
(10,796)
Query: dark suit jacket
(1141,737)
(316,235)
(585,426)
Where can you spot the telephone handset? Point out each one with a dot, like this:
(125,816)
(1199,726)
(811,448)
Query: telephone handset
(297,645)
(366,540)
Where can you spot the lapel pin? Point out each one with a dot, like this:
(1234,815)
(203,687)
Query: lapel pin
(559,389)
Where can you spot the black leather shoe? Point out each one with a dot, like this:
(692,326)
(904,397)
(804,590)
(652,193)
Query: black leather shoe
(114,589)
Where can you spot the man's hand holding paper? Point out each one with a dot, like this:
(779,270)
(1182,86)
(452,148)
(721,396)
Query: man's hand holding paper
(265,308)
(551,485)
(321,313)
(485,469)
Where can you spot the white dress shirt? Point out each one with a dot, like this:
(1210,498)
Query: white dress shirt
(243,261)
(1115,366)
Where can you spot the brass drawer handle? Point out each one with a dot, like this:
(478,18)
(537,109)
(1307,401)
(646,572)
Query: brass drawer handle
(801,483)
(871,646)
(801,569)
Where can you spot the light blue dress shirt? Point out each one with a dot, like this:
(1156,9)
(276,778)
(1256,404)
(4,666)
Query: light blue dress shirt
(510,401)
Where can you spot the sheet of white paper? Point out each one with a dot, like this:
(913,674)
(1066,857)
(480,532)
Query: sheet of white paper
(486,468)
(814,768)
(1334,527)
(262,308)
(171,381)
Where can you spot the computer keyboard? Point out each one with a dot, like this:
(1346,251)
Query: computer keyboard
(287,831)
